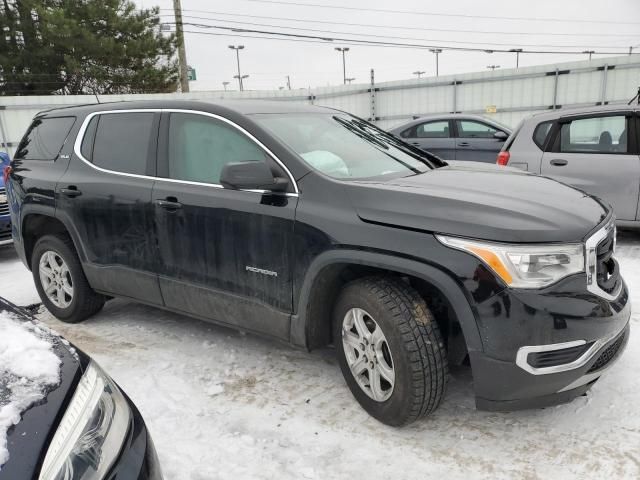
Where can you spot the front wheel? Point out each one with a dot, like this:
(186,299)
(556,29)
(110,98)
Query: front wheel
(60,280)
(390,349)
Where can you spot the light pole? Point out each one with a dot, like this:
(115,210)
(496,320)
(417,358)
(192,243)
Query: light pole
(419,73)
(493,67)
(239,76)
(437,51)
(241,80)
(224,84)
(349,80)
(344,65)
(517,51)
(590,52)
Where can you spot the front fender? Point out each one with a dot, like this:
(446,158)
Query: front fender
(439,279)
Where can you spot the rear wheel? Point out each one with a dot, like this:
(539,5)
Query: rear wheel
(390,349)
(61,282)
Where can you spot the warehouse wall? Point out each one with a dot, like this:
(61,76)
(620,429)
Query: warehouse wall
(506,95)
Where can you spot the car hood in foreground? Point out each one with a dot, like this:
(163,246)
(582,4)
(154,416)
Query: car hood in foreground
(480,201)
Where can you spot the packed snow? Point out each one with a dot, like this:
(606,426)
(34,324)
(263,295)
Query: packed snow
(29,368)
(224,405)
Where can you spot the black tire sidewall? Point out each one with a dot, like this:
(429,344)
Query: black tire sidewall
(57,245)
(397,409)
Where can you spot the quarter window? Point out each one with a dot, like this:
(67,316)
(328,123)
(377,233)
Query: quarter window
(45,138)
(595,135)
(472,129)
(200,146)
(540,133)
(122,142)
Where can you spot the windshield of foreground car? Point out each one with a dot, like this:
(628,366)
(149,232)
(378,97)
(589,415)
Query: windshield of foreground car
(345,147)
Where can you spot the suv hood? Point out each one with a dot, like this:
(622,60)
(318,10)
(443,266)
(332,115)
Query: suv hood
(480,201)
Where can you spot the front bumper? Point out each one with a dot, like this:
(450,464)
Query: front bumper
(516,325)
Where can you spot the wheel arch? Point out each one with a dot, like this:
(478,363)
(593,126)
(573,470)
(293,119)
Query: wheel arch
(37,222)
(311,323)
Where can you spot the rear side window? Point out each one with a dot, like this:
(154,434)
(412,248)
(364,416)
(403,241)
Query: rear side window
(45,138)
(433,130)
(540,134)
(595,135)
(122,142)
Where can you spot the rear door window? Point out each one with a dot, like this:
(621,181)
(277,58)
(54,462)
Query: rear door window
(595,135)
(122,142)
(45,138)
(439,129)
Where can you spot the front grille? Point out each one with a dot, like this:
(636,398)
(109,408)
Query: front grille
(552,358)
(4,206)
(609,353)
(607,269)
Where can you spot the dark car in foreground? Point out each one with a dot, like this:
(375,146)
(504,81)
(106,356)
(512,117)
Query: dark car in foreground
(455,136)
(312,226)
(84,428)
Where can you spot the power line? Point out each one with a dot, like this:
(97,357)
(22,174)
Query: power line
(399,27)
(450,15)
(355,41)
(406,38)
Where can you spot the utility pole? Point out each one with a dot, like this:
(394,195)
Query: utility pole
(517,51)
(437,51)
(288,82)
(493,67)
(182,53)
(344,67)
(419,73)
(590,52)
(224,84)
(239,76)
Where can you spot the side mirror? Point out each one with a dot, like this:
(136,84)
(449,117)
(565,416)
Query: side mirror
(500,135)
(252,175)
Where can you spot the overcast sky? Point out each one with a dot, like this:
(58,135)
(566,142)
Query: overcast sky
(573,25)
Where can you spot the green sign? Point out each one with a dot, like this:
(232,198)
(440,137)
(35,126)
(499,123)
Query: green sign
(191,74)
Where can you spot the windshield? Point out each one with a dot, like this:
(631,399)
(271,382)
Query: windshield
(345,147)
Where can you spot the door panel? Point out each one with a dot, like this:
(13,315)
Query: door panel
(591,155)
(475,141)
(111,212)
(434,137)
(225,254)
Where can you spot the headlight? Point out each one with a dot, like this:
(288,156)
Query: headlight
(92,431)
(524,266)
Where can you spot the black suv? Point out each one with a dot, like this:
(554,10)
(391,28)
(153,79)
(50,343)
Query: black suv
(312,226)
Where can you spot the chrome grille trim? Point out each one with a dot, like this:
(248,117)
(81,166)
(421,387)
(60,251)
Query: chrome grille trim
(591,261)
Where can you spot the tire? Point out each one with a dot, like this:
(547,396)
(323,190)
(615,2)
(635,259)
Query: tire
(73,307)
(414,349)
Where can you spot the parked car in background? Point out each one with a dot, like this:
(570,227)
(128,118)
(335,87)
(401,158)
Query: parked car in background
(62,416)
(311,226)
(455,136)
(595,149)
(5,217)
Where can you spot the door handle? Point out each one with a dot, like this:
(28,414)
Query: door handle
(463,144)
(171,204)
(558,162)
(71,191)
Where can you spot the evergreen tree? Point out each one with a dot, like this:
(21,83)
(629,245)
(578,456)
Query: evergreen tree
(83,47)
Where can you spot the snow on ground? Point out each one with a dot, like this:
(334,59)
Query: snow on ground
(28,368)
(221,405)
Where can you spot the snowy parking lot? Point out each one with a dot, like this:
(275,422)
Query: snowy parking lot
(221,404)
